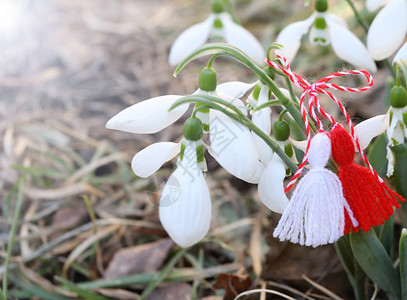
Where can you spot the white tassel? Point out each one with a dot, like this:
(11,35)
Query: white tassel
(315,215)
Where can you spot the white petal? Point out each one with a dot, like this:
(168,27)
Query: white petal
(271,185)
(373,5)
(150,159)
(190,39)
(234,89)
(233,147)
(241,38)
(402,53)
(369,129)
(262,119)
(185,207)
(149,116)
(348,47)
(388,30)
(290,37)
(338,20)
(301,145)
(264,94)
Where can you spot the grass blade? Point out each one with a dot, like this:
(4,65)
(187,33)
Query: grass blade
(13,230)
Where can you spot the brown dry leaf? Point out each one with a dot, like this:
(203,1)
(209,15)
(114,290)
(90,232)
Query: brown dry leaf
(139,259)
(232,284)
(177,291)
(68,217)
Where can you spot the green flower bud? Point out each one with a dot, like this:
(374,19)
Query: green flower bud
(398,97)
(217,6)
(281,130)
(193,130)
(207,80)
(321,5)
(320,23)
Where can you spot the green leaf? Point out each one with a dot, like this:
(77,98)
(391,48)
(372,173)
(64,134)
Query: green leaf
(355,274)
(85,294)
(400,152)
(386,236)
(403,263)
(372,257)
(377,154)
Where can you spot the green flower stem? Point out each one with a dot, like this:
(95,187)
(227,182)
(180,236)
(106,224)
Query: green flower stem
(212,59)
(228,8)
(291,89)
(358,16)
(390,67)
(212,102)
(283,112)
(236,53)
(267,104)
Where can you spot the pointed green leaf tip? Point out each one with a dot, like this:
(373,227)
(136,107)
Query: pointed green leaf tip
(321,5)
(193,130)
(281,130)
(207,80)
(398,97)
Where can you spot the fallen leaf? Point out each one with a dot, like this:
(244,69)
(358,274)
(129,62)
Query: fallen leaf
(232,284)
(145,258)
(177,291)
(69,216)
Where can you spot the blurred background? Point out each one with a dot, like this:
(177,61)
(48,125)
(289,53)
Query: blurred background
(66,67)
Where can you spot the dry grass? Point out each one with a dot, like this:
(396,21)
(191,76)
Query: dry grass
(72,66)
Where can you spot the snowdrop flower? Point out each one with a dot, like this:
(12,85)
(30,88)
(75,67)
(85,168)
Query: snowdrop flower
(394,122)
(231,143)
(219,26)
(388,30)
(273,172)
(185,206)
(325,29)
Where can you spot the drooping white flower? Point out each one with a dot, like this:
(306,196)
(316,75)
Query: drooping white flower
(394,122)
(231,143)
(219,26)
(325,29)
(273,170)
(185,206)
(388,30)
(401,54)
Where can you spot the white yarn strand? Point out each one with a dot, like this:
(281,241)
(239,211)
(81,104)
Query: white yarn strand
(315,215)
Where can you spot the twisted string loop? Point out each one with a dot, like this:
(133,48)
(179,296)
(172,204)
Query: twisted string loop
(312,91)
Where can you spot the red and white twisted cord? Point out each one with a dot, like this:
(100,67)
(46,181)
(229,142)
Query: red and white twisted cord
(312,91)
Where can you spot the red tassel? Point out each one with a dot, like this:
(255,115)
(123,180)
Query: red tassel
(370,200)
